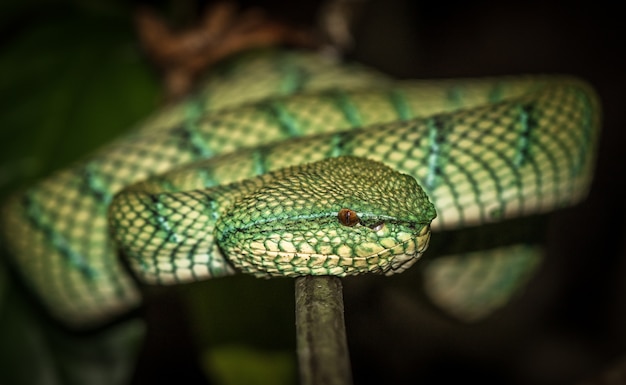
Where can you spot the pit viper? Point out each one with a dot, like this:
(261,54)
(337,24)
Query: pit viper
(286,163)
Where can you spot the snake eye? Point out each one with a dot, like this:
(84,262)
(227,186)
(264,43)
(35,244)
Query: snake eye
(348,217)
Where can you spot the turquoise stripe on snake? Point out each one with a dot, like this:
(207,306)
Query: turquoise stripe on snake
(482,150)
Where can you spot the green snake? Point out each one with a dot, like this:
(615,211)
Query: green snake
(286,163)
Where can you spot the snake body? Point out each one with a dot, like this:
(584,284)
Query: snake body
(255,171)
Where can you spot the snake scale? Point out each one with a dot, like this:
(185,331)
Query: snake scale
(286,163)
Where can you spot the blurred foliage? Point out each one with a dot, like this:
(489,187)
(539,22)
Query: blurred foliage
(232,365)
(36,351)
(68,82)
(244,329)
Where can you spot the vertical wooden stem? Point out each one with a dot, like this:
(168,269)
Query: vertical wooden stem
(321,333)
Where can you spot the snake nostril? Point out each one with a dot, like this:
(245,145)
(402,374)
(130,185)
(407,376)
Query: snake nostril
(377,226)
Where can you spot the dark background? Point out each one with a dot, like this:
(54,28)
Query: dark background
(72,76)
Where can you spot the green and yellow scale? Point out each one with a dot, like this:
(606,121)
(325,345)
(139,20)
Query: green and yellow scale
(288,163)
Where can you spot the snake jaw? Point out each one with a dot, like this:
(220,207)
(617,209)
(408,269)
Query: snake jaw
(420,244)
(390,250)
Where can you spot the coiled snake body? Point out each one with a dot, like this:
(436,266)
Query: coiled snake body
(223,195)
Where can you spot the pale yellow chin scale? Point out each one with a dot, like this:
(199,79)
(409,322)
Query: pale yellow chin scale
(387,255)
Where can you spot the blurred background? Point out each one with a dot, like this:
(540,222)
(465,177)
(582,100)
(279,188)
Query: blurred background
(73,75)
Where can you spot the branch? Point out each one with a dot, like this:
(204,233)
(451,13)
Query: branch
(320,332)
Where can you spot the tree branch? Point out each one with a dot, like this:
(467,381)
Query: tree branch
(320,330)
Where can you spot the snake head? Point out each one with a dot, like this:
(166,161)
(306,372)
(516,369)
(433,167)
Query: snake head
(339,216)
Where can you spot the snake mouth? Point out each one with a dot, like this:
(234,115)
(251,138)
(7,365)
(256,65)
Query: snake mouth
(280,257)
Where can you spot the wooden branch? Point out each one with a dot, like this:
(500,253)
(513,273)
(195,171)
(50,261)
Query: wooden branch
(320,332)
(222,32)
